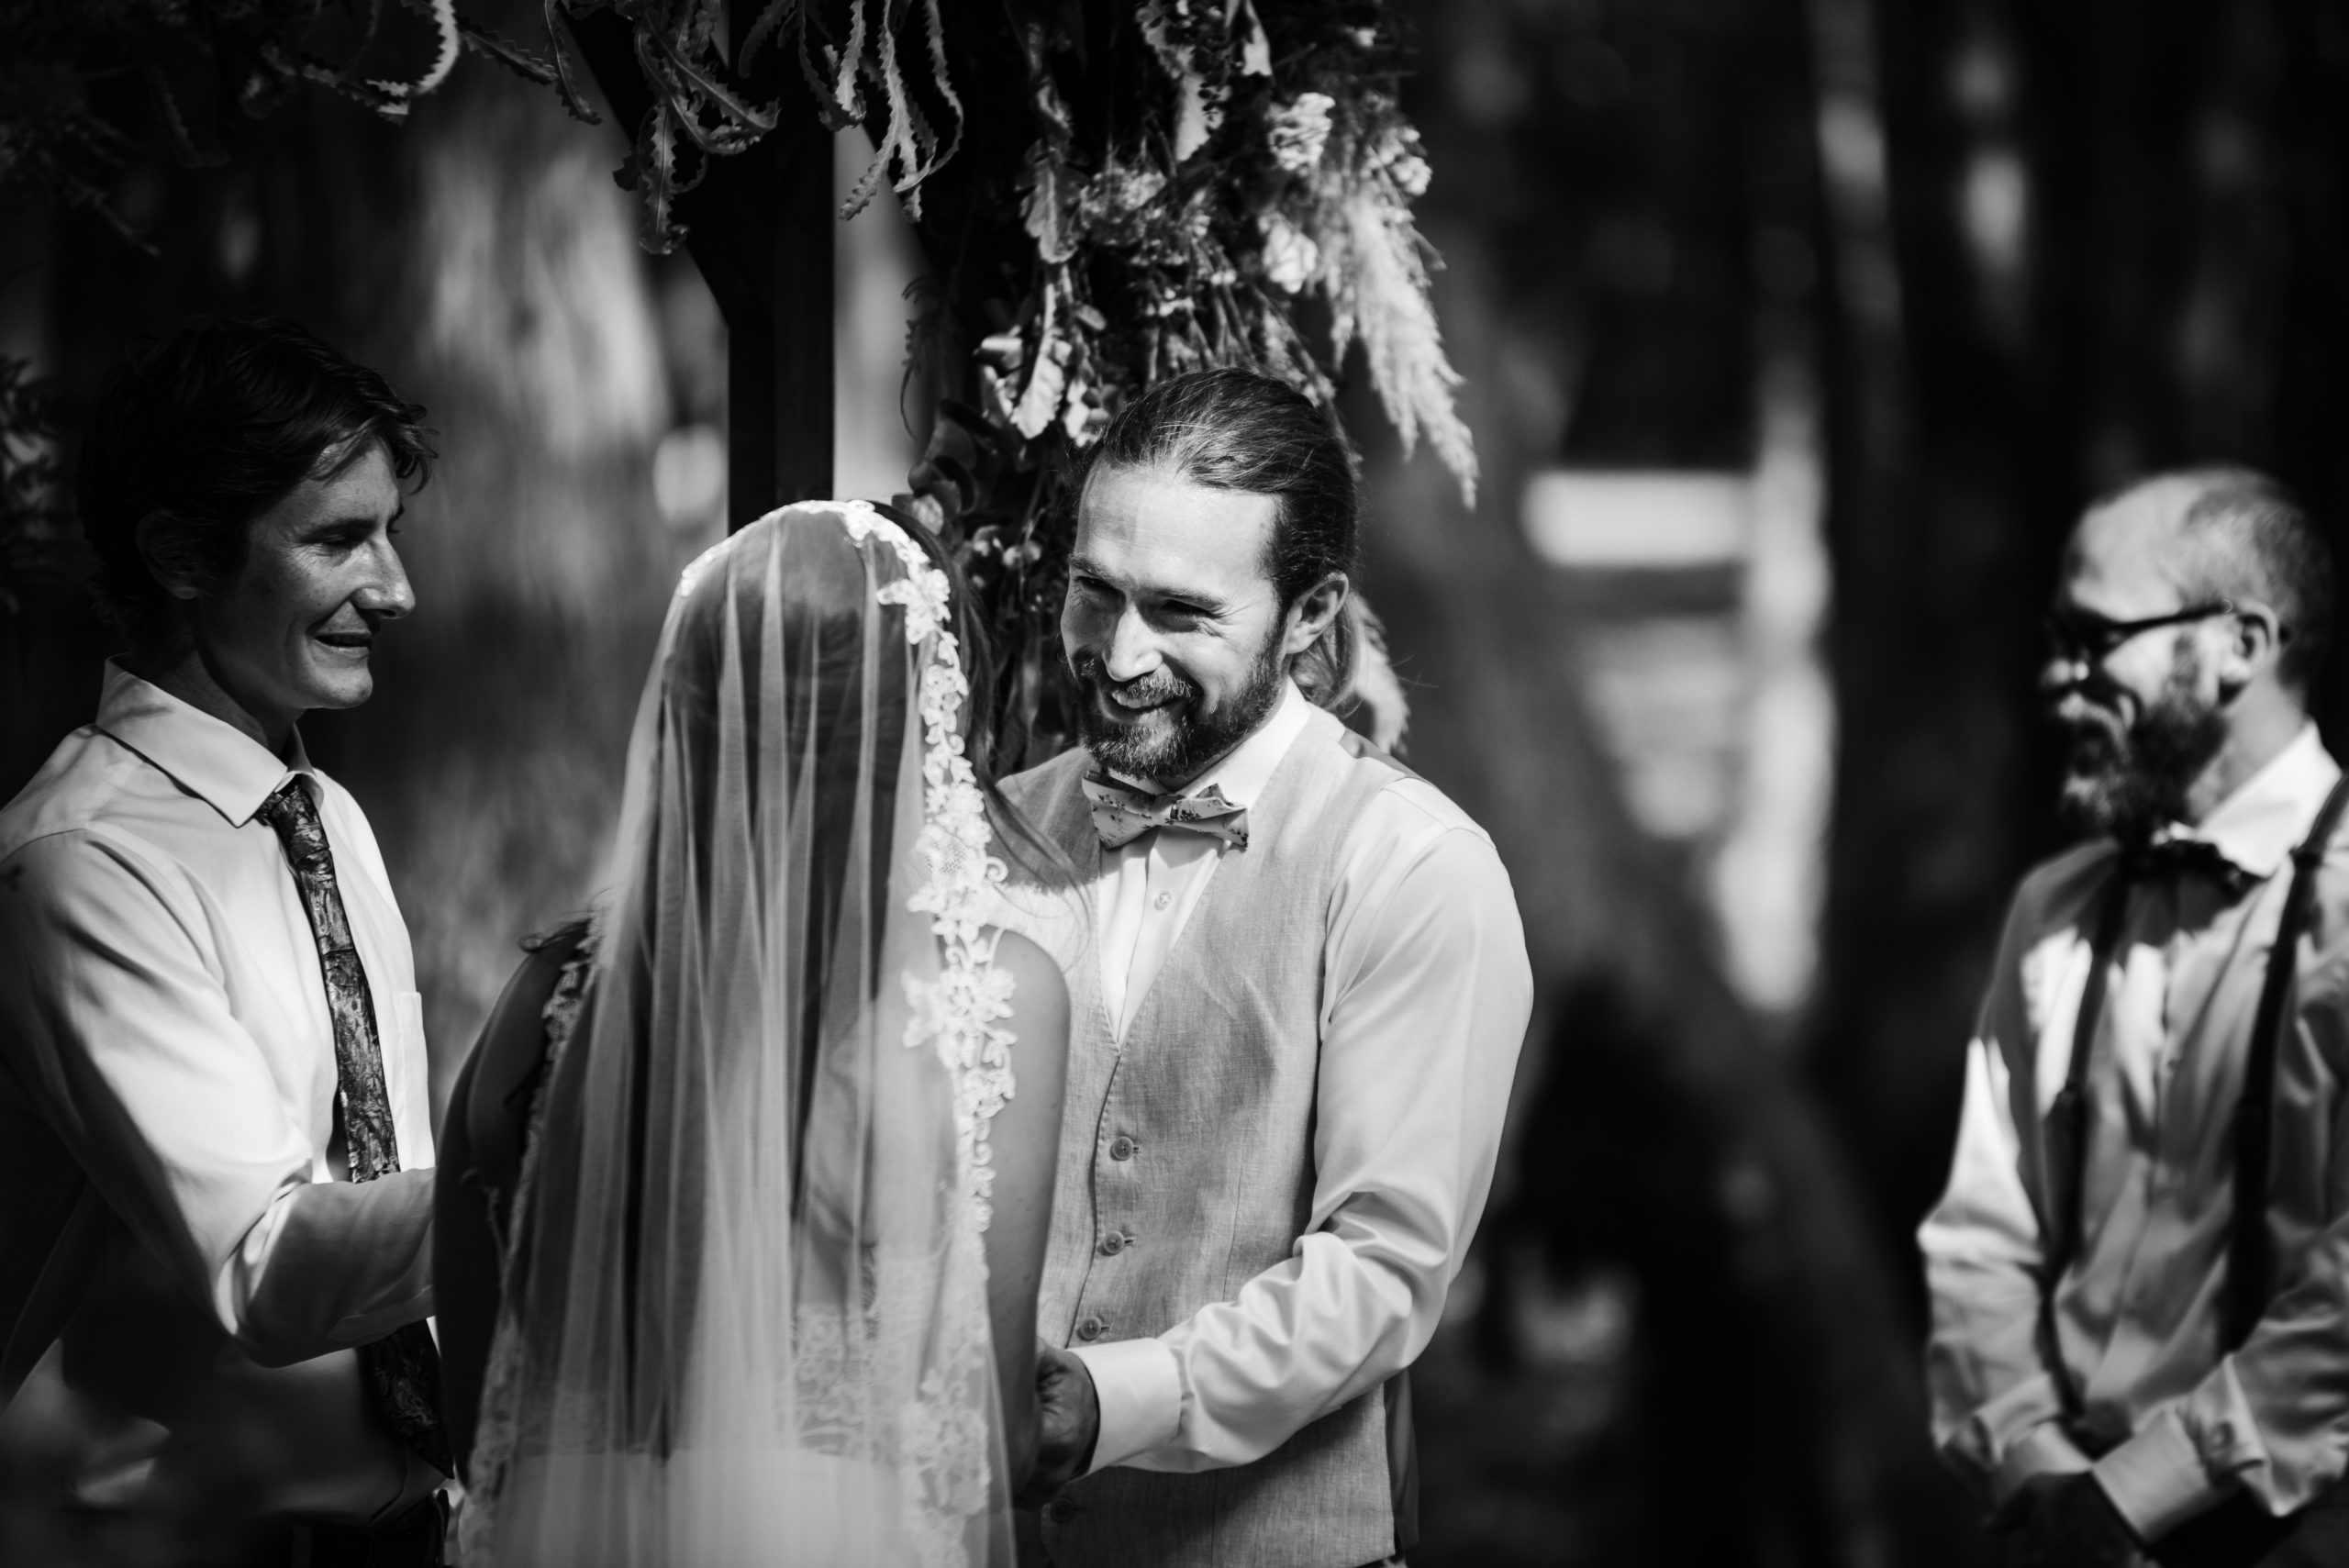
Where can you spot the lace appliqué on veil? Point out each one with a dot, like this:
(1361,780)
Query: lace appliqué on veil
(941,1426)
(961,1012)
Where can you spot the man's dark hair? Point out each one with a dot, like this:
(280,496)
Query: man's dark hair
(204,429)
(1233,429)
(2247,537)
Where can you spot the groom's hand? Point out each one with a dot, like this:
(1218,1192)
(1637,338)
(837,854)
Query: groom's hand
(1071,1420)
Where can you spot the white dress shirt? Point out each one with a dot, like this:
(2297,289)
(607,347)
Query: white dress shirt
(167,1094)
(2138,1313)
(1426,992)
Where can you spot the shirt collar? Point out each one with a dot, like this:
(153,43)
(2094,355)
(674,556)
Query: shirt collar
(1248,767)
(211,758)
(2258,825)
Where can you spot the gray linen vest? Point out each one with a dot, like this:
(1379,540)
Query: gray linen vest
(1187,1168)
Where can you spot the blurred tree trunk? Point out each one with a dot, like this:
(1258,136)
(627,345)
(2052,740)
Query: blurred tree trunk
(1777,1412)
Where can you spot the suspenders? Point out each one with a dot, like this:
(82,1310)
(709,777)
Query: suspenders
(2250,1264)
(2248,1260)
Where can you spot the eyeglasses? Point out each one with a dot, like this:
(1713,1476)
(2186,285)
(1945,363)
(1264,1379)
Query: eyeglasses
(2082,635)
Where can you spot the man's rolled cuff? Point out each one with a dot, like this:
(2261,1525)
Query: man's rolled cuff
(1139,1389)
(2157,1480)
(331,1265)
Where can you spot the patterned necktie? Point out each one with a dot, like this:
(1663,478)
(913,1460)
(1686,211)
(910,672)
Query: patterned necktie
(1122,813)
(404,1367)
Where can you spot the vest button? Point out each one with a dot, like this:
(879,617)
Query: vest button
(1112,1244)
(1121,1148)
(1062,1509)
(1091,1329)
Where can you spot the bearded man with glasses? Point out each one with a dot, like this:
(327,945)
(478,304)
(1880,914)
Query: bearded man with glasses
(2140,1269)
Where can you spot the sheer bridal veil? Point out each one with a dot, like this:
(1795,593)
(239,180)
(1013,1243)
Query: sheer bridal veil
(744,1316)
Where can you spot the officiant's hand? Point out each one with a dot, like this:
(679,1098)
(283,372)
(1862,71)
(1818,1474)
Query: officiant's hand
(1071,1421)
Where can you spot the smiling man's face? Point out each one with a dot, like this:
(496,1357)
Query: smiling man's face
(292,631)
(1174,632)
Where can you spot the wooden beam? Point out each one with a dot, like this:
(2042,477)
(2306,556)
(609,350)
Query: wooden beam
(759,228)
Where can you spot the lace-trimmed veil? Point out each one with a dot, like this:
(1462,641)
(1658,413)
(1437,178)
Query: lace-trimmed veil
(745,1308)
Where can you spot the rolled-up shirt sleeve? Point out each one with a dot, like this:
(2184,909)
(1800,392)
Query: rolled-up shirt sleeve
(121,1036)
(1426,998)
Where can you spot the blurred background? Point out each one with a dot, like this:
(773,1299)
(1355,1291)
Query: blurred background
(1796,334)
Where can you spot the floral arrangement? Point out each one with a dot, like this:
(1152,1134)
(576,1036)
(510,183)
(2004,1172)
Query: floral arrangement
(1205,220)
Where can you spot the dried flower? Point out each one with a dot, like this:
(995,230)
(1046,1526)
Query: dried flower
(1378,292)
(1290,255)
(1395,151)
(1300,130)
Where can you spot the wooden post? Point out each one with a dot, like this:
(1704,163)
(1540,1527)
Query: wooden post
(779,374)
(760,227)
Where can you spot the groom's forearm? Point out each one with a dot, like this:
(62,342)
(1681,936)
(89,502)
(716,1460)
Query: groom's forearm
(1239,1378)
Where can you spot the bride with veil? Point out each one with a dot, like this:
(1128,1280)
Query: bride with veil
(744,1191)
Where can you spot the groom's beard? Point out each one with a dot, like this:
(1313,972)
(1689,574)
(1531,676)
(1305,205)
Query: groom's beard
(1173,744)
(2129,781)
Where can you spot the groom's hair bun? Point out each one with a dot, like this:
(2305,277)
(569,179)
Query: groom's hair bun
(1234,430)
(206,429)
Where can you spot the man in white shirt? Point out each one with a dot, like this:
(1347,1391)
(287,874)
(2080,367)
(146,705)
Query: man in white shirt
(2123,1370)
(214,1133)
(1301,989)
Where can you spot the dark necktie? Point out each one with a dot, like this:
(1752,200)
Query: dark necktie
(403,1367)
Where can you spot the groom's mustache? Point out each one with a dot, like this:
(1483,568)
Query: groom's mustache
(1160,685)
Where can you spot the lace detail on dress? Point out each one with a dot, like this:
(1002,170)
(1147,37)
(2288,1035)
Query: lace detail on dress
(961,1011)
(941,1422)
(497,1431)
(910,1390)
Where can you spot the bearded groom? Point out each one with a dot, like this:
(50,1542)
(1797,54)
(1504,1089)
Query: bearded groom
(1297,995)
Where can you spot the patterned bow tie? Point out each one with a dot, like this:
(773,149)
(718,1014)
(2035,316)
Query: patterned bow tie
(2177,856)
(1122,813)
